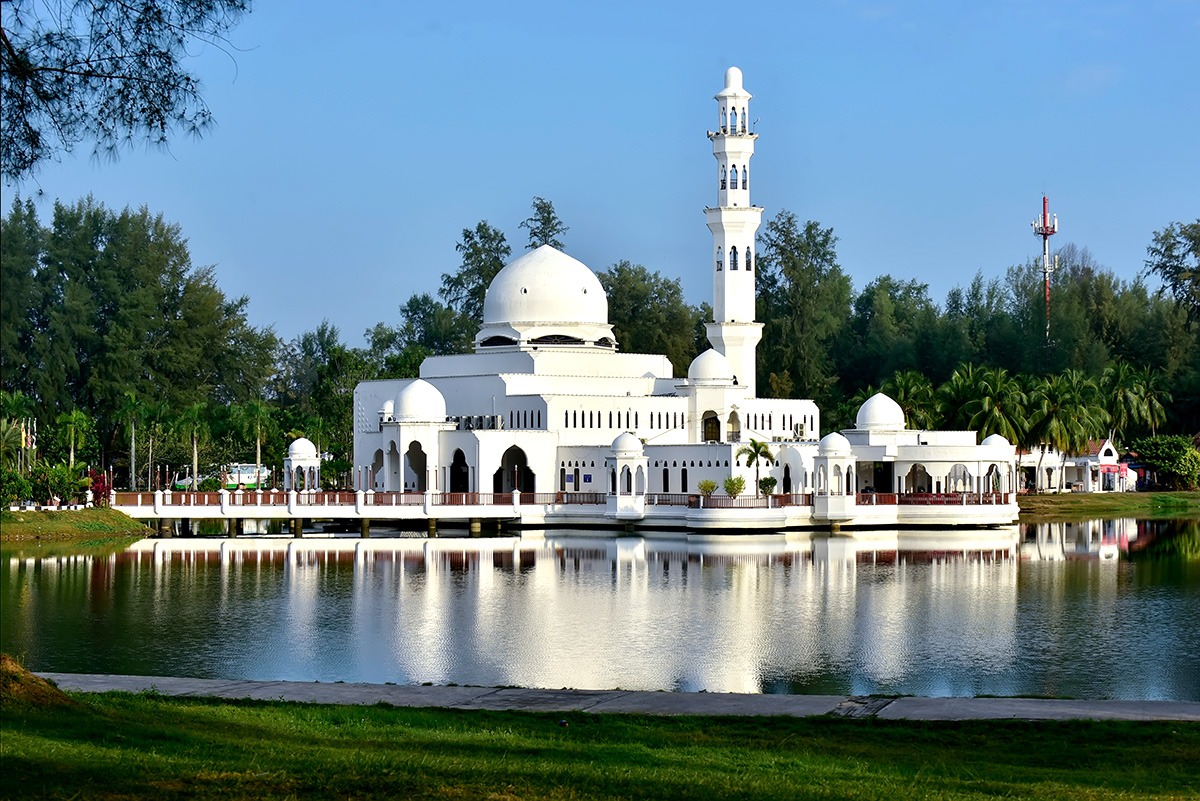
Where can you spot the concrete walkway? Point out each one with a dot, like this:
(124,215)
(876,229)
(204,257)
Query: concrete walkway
(647,703)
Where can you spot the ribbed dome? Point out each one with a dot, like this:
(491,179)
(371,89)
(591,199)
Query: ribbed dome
(627,443)
(420,400)
(879,413)
(302,449)
(710,366)
(833,444)
(545,286)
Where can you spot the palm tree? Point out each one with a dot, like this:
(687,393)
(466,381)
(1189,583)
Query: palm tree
(1050,417)
(15,405)
(10,442)
(955,394)
(154,412)
(999,406)
(915,395)
(756,453)
(128,412)
(253,418)
(1125,394)
(193,422)
(75,422)
(1155,398)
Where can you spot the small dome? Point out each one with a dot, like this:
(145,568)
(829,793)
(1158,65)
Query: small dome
(302,449)
(627,443)
(710,366)
(996,440)
(420,400)
(545,286)
(879,413)
(733,85)
(833,444)
(389,409)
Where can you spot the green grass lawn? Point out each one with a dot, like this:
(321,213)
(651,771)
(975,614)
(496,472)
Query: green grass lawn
(86,529)
(1072,506)
(126,746)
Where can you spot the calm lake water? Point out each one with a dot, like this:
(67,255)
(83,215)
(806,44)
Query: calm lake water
(1033,612)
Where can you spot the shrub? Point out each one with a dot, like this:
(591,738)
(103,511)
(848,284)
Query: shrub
(210,484)
(707,487)
(734,486)
(49,482)
(14,488)
(1174,460)
(767,485)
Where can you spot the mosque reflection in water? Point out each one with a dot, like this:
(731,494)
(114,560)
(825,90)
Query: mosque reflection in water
(920,612)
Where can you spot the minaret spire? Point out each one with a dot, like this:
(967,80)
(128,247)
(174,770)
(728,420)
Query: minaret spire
(734,223)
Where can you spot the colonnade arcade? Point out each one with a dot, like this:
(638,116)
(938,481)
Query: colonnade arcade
(412,471)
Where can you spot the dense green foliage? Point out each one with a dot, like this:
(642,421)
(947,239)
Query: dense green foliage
(145,746)
(1174,460)
(129,357)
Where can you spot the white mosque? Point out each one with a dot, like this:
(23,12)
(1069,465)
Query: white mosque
(549,415)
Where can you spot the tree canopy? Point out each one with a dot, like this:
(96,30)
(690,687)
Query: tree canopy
(109,71)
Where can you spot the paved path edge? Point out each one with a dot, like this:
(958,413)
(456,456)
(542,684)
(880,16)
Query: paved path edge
(635,702)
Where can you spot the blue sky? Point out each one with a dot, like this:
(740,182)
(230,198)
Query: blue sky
(352,147)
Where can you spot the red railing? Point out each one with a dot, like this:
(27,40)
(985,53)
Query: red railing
(394,499)
(670,499)
(796,499)
(952,499)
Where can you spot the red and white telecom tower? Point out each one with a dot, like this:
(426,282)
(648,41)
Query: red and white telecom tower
(1046,226)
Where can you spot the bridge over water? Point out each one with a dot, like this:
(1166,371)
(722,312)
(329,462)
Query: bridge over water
(651,510)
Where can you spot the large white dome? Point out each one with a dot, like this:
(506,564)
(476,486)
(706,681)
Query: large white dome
(420,400)
(879,413)
(710,366)
(545,286)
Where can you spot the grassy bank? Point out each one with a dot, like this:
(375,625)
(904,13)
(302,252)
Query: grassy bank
(146,746)
(80,528)
(1089,506)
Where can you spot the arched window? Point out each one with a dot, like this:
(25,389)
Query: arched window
(745,177)
(666,480)
(733,119)
(720,262)
(723,122)
(733,177)
(683,480)
(749,259)
(574,420)
(722,176)
(610,419)
(744,116)
(733,258)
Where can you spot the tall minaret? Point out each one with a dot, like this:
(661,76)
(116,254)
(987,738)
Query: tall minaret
(734,223)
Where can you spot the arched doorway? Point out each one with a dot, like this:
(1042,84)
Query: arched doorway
(917,479)
(377,475)
(460,473)
(959,479)
(787,479)
(735,427)
(414,468)
(514,473)
(711,426)
(392,480)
